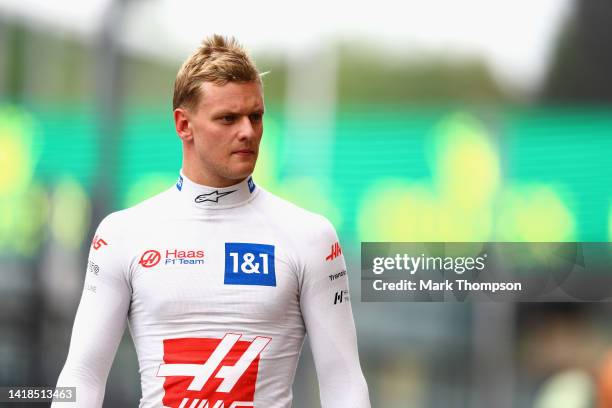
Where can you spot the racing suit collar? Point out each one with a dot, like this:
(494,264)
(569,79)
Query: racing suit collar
(216,197)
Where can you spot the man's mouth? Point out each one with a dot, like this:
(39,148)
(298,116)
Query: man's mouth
(244,152)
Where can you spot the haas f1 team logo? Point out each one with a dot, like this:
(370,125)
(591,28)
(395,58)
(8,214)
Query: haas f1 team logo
(211,373)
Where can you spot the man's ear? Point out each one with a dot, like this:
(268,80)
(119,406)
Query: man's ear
(182,124)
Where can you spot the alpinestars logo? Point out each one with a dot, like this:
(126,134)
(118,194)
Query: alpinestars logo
(211,373)
(336,251)
(212,197)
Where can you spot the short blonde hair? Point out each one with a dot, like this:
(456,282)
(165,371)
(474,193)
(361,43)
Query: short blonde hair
(218,60)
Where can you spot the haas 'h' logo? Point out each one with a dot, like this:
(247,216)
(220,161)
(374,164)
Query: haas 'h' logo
(211,373)
(336,251)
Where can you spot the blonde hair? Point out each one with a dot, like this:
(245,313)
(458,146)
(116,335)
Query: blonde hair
(218,60)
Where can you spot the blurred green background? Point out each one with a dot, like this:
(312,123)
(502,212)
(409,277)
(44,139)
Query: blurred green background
(391,143)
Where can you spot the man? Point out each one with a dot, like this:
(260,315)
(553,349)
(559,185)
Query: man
(219,279)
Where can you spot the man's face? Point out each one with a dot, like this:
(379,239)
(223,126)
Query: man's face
(227,127)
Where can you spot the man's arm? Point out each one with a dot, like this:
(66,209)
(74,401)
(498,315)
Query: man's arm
(324,300)
(100,320)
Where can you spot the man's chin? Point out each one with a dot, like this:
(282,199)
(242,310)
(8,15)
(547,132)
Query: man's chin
(242,172)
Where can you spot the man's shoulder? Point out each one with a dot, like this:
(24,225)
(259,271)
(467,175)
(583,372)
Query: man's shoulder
(142,211)
(291,216)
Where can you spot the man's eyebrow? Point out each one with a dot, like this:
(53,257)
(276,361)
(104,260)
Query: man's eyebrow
(226,112)
(223,112)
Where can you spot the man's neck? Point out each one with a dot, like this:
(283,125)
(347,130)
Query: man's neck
(205,196)
(201,177)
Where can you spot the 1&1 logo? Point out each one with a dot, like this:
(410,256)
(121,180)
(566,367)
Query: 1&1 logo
(249,264)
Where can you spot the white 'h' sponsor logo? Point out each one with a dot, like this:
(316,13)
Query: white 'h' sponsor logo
(201,373)
(219,404)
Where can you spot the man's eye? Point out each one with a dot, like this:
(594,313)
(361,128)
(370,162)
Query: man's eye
(228,118)
(255,117)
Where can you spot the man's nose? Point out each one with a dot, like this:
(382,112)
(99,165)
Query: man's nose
(246,129)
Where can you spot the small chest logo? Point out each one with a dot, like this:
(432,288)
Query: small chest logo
(249,264)
(152,257)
